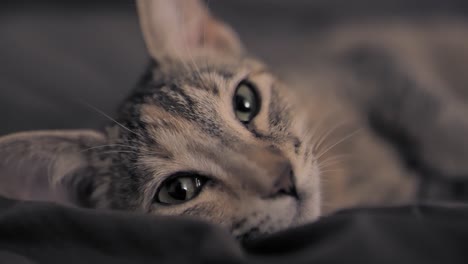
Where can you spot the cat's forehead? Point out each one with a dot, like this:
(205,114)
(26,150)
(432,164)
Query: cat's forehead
(201,92)
(198,71)
(193,89)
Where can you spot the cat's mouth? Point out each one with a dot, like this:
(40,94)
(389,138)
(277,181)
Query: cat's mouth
(279,213)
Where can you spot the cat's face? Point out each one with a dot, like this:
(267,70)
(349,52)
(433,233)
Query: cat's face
(209,133)
(217,140)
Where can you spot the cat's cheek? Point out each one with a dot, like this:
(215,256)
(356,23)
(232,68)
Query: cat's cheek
(308,186)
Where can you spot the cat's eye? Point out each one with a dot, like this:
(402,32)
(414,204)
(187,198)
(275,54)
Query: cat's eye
(246,102)
(180,188)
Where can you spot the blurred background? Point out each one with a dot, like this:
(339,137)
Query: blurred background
(55,54)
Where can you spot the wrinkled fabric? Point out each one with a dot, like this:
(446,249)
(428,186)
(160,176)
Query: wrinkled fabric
(34,232)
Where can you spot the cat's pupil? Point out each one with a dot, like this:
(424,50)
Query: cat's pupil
(245,102)
(242,104)
(179,190)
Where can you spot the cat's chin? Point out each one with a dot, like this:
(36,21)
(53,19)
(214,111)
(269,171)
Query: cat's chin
(291,219)
(289,211)
(270,216)
(308,208)
(309,196)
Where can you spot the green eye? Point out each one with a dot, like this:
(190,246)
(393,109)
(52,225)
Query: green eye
(180,189)
(246,102)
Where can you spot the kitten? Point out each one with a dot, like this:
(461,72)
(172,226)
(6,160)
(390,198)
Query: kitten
(209,132)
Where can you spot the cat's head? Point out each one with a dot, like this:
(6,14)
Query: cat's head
(209,132)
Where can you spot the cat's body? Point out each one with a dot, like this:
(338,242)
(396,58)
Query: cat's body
(401,82)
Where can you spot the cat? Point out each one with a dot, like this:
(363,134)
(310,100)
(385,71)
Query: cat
(209,132)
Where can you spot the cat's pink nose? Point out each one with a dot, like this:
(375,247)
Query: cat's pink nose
(284,184)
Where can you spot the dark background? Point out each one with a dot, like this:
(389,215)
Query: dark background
(58,56)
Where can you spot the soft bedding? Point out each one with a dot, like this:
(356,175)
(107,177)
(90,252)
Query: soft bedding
(32,232)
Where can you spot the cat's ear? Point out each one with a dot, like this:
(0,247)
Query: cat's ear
(181,28)
(48,165)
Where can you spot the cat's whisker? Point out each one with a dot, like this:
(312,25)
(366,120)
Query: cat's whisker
(110,146)
(311,133)
(119,151)
(320,123)
(337,143)
(336,157)
(112,119)
(327,134)
(327,166)
(337,170)
(307,152)
(331,161)
(331,166)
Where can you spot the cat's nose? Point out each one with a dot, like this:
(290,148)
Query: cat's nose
(272,174)
(284,183)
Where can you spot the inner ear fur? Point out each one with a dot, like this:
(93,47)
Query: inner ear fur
(48,165)
(183,28)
